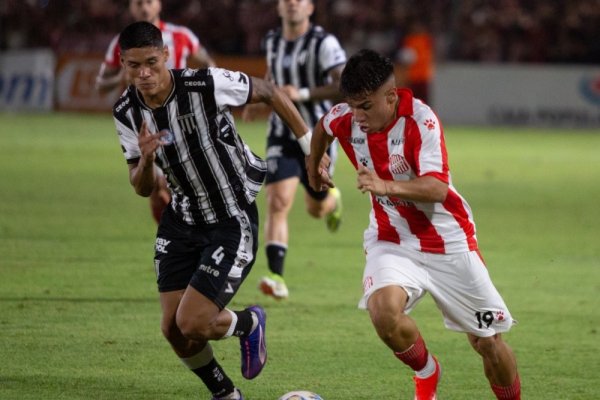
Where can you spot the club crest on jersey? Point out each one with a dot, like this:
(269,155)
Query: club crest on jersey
(398,164)
(302,57)
(187,123)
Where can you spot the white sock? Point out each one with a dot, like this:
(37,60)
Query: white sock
(202,358)
(428,369)
(234,320)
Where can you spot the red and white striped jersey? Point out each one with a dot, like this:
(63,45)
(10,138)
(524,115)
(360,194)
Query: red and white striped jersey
(412,146)
(181,42)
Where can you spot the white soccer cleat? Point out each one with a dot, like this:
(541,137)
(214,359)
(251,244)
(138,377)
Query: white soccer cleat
(274,285)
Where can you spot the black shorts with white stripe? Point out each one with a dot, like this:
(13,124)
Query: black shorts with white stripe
(214,258)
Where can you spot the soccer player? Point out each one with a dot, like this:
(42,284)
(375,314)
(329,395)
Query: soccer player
(306,63)
(206,243)
(421,237)
(184,50)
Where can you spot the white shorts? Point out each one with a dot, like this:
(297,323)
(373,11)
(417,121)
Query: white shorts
(459,284)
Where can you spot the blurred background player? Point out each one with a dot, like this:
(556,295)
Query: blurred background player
(185,50)
(416,59)
(421,237)
(306,62)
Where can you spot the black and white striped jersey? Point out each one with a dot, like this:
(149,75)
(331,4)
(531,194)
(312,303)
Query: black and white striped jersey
(304,63)
(213,175)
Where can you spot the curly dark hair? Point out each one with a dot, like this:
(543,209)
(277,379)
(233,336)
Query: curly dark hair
(140,34)
(364,73)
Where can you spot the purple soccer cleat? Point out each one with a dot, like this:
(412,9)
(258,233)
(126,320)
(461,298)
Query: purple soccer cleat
(254,346)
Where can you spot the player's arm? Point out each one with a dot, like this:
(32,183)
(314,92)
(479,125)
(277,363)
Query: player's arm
(201,59)
(266,92)
(110,78)
(252,110)
(428,189)
(326,92)
(142,175)
(316,165)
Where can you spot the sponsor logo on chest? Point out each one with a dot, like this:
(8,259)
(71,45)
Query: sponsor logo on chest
(356,140)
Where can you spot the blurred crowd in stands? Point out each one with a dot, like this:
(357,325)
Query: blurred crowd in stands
(560,31)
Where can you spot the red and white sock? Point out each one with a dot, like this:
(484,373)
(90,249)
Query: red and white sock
(416,356)
(511,392)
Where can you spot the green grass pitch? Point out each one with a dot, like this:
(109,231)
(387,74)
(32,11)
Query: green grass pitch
(79,312)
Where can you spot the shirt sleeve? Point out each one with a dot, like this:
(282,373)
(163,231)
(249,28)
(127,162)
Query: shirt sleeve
(331,53)
(112,58)
(431,152)
(337,121)
(193,43)
(232,88)
(128,139)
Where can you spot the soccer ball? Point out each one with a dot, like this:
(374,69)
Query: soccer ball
(301,395)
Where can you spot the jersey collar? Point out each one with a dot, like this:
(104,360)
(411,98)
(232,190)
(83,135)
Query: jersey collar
(404,109)
(405,103)
(171,94)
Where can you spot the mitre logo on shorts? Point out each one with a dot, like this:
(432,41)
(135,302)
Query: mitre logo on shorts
(209,270)
(398,164)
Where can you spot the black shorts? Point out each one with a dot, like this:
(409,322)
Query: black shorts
(214,259)
(283,163)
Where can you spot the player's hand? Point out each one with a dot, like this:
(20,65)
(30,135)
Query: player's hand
(368,181)
(149,142)
(319,180)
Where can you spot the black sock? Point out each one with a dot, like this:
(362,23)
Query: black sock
(215,379)
(244,323)
(275,257)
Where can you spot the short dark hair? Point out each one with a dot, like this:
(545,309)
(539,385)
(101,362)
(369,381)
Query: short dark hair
(364,73)
(140,34)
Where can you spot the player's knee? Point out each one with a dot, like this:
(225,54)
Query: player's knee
(487,347)
(386,324)
(277,203)
(389,322)
(169,331)
(192,328)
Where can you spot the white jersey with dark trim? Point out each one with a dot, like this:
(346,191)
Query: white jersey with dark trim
(303,63)
(412,146)
(212,174)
